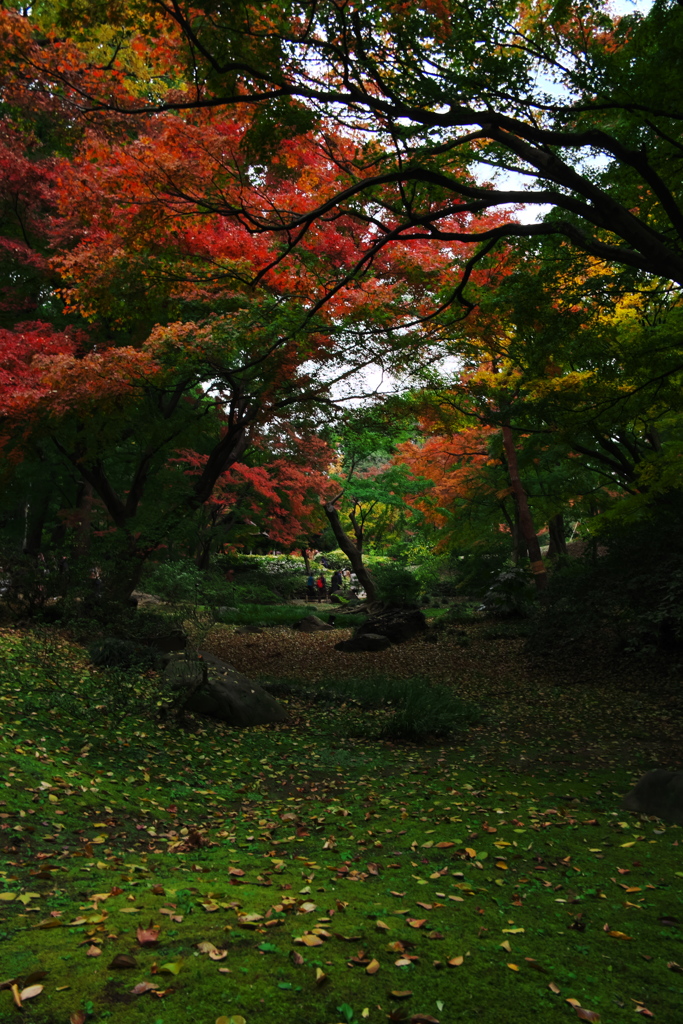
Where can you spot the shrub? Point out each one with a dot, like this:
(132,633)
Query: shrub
(125,654)
(628,600)
(512,592)
(417,710)
(396,584)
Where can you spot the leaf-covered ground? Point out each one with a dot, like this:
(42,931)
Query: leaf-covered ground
(155,874)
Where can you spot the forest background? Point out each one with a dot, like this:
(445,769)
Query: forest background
(216,224)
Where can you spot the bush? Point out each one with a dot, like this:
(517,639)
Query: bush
(417,710)
(628,600)
(396,584)
(512,592)
(126,654)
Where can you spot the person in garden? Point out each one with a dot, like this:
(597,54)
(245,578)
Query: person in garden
(310,588)
(321,586)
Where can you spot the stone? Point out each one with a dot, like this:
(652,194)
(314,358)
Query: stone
(311,624)
(142,600)
(217,690)
(397,624)
(364,642)
(173,640)
(659,793)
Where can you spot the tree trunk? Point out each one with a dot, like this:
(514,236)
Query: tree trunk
(36,513)
(84,504)
(351,551)
(558,544)
(526,522)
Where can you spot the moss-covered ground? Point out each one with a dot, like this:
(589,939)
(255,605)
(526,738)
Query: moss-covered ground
(308,874)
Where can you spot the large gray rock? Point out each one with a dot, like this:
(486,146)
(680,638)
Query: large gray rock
(217,690)
(659,793)
(365,642)
(397,625)
(311,624)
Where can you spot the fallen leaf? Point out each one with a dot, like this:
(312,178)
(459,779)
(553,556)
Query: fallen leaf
(206,947)
(513,967)
(34,977)
(122,960)
(77,1017)
(218,954)
(148,936)
(372,967)
(415,922)
(94,951)
(296,958)
(673,966)
(400,993)
(310,940)
(172,968)
(586,1014)
(381,926)
(31,992)
(553,988)
(456,961)
(506,946)
(619,935)
(320,976)
(144,986)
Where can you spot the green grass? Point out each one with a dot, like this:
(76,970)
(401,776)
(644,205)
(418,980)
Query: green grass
(286,615)
(96,802)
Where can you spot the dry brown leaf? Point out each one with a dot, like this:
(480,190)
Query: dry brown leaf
(372,967)
(31,992)
(148,936)
(589,1015)
(144,986)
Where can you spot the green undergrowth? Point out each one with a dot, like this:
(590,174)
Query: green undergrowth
(294,873)
(285,615)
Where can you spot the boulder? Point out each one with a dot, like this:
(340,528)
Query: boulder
(172,640)
(141,600)
(659,793)
(217,690)
(364,642)
(311,624)
(397,625)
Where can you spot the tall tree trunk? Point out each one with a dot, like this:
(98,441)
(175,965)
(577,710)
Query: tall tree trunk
(203,557)
(84,505)
(36,513)
(558,544)
(354,556)
(526,522)
(307,560)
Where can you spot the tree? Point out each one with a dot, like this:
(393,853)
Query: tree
(456,104)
